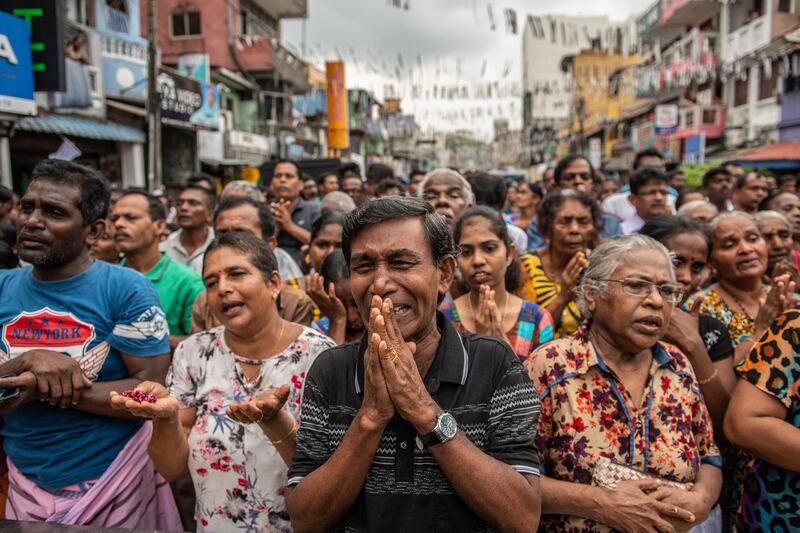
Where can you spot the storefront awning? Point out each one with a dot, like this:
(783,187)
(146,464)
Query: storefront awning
(787,150)
(780,155)
(81,127)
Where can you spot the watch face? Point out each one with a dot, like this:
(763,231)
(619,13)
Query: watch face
(448,426)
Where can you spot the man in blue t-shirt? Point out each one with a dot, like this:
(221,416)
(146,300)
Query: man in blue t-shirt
(73,330)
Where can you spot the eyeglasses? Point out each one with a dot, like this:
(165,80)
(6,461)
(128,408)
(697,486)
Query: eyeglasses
(671,293)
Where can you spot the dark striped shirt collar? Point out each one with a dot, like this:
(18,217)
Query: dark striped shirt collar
(451,364)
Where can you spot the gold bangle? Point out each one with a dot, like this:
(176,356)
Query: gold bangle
(709,379)
(291,432)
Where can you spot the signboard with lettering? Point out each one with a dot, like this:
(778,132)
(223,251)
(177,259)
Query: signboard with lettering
(666,119)
(45,19)
(185,101)
(16,73)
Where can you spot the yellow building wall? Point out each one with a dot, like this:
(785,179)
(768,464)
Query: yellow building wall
(591,72)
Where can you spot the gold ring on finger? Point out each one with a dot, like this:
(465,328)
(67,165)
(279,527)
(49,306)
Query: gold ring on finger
(675,510)
(395,357)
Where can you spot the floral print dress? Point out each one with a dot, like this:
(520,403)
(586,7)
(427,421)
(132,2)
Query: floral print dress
(238,475)
(740,326)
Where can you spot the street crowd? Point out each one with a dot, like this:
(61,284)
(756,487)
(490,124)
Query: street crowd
(450,351)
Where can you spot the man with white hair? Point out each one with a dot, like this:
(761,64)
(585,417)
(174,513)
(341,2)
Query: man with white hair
(699,210)
(242,188)
(336,202)
(448,192)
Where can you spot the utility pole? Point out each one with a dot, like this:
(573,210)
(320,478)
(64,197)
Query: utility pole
(153,101)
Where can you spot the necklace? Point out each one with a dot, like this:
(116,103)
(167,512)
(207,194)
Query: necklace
(502,318)
(258,362)
(738,302)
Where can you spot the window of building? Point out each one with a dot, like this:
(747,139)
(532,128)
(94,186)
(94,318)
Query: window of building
(792,82)
(740,93)
(785,6)
(117,15)
(767,82)
(78,11)
(186,24)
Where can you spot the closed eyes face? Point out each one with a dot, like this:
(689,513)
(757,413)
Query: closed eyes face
(393,260)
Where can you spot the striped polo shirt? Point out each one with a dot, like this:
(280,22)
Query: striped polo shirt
(477,379)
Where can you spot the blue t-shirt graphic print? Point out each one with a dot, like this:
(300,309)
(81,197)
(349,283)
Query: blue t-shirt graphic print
(93,318)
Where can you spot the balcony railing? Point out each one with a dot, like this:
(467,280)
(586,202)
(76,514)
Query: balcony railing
(256,54)
(124,60)
(647,79)
(747,39)
(693,58)
(131,49)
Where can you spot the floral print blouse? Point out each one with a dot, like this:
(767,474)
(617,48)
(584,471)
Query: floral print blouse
(238,475)
(740,326)
(770,501)
(587,413)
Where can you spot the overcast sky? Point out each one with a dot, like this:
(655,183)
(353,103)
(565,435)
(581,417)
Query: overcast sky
(453,39)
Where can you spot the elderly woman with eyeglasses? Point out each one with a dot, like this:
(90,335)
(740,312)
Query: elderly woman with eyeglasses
(624,437)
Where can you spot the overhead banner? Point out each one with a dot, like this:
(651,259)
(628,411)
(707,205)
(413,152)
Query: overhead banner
(338,123)
(185,101)
(16,73)
(45,19)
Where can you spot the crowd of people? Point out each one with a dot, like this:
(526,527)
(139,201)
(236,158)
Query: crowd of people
(452,351)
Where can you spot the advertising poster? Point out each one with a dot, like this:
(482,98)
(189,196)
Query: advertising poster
(338,131)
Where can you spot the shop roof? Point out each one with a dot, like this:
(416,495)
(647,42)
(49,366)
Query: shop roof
(779,151)
(81,127)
